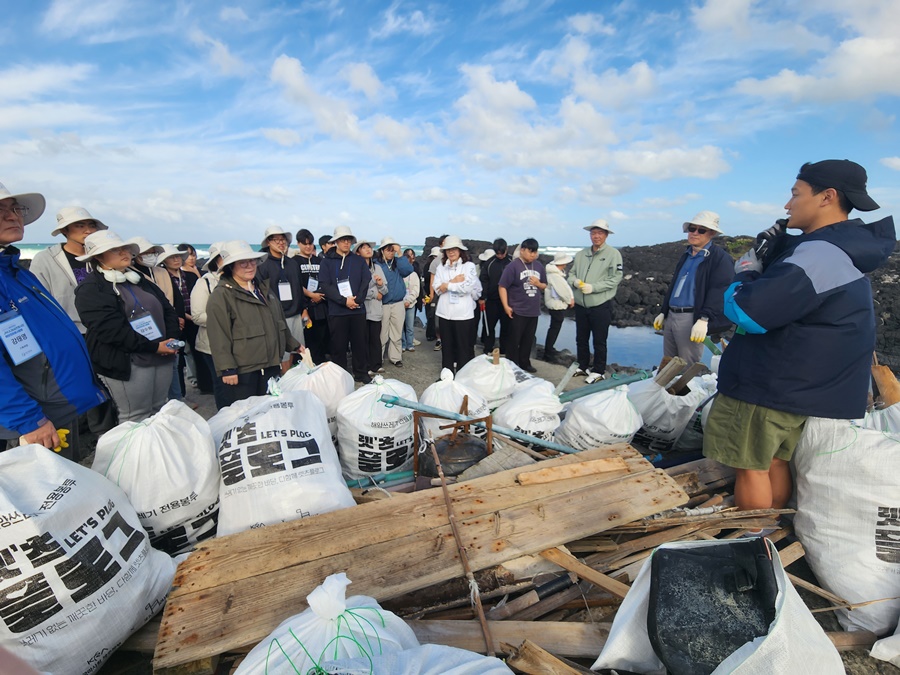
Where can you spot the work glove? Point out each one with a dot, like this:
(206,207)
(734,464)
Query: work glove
(765,240)
(698,330)
(748,263)
(586,288)
(659,321)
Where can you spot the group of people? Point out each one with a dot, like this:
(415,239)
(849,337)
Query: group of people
(98,305)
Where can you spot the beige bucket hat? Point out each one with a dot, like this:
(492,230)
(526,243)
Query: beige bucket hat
(34,202)
(215,250)
(707,219)
(238,249)
(600,223)
(72,214)
(453,241)
(272,231)
(340,232)
(101,241)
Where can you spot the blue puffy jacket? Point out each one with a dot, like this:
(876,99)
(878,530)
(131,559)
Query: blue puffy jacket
(58,384)
(394,273)
(806,325)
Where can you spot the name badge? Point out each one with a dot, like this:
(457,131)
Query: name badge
(344,288)
(146,326)
(18,339)
(312,285)
(284,291)
(454,299)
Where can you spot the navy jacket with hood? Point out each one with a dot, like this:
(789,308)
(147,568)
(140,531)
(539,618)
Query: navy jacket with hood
(332,269)
(806,325)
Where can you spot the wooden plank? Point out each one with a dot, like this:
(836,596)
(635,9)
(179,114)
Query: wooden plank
(233,591)
(578,470)
(573,564)
(535,660)
(886,382)
(693,370)
(565,638)
(812,588)
(791,554)
(670,371)
(857,639)
(551,603)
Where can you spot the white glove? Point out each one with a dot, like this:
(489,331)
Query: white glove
(748,263)
(587,289)
(659,321)
(698,330)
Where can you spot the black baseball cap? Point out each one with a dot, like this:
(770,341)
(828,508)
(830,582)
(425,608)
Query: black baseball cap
(840,174)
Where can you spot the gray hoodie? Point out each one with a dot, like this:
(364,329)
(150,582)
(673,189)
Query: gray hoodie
(52,267)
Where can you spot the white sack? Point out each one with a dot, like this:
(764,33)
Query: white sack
(665,416)
(375,438)
(603,418)
(328,381)
(886,419)
(795,644)
(494,383)
(848,517)
(422,660)
(77,573)
(888,649)
(533,409)
(277,460)
(333,627)
(169,468)
(447,394)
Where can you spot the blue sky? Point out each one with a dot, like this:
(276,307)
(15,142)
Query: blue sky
(208,120)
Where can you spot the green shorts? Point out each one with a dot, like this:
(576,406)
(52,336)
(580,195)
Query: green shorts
(747,436)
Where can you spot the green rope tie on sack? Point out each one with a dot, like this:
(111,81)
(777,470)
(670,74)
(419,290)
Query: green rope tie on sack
(126,438)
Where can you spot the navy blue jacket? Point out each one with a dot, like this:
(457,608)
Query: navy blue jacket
(806,325)
(332,269)
(57,385)
(394,274)
(712,277)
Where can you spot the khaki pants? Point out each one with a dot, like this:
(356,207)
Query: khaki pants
(392,330)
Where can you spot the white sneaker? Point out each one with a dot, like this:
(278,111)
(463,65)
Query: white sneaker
(593,377)
(580,373)
(416,343)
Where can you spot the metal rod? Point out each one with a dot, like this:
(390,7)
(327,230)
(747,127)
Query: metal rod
(518,435)
(381,479)
(603,385)
(565,380)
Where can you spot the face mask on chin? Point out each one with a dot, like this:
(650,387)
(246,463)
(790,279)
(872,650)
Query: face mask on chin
(148,259)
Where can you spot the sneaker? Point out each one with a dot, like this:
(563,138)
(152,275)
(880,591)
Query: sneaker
(580,373)
(416,343)
(380,369)
(530,369)
(398,364)
(594,377)
(411,349)
(371,373)
(437,346)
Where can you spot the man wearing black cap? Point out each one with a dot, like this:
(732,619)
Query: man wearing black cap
(805,330)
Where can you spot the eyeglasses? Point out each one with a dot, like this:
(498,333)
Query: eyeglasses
(698,230)
(18,209)
(245,263)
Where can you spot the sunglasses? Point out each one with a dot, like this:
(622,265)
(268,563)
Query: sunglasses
(698,230)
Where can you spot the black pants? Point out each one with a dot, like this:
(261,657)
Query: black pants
(457,343)
(557,316)
(204,374)
(431,321)
(521,340)
(350,329)
(493,310)
(218,387)
(592,321)
(317,339)
(373,336)
(249,384)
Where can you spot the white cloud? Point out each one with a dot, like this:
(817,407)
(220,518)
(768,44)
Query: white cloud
(666,202)
(415,23)
(219,54)
(891,162)
(362,78)
(284,137)
(609,186)
(617,90)
(233,14)
(268,193)
(645,160)
(70,18)
(49,116)
(22,83)
(590,24)
(618,215)
(727,23)
(524,185)
(723,15)
(757,208)
(398,136)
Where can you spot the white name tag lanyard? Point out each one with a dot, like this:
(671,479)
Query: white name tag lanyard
(17,337)
(285,294)
(312,285)
(142,321)
(344,288)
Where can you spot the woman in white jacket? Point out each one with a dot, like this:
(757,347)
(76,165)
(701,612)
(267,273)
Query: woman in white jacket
(457,286)
(558,298)
(199,297)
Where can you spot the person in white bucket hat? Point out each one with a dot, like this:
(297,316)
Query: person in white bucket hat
(595,277)
(283,275)
(458,289)
(46,379)
(248,336)
(147,256)
(558,299)
(693,306)
(344,279)
(130,327)
(58,266)
(395,269)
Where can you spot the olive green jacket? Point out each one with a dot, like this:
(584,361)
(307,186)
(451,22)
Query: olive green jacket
(602,270)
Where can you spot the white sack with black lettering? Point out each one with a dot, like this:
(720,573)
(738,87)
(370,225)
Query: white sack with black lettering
(603,418)
(665,415)
(533,409)
(77,572)
(446,394)
(277,461)
(374,438)
(848,517)
(168,467)
(328,381)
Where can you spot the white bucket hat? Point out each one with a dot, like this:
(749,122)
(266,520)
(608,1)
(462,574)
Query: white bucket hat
(238,249)
(340,232)
(486,254)
(453,241)
(272,231)
(386,241)
(435,251)
(215,250)
(602,224)
(169,250)
(144,245)
(32,201)
(359,243)
(707,219)
(101,241)
(72,214)
(560,258)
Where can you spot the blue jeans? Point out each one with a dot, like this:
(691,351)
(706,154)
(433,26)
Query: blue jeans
(408,323)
